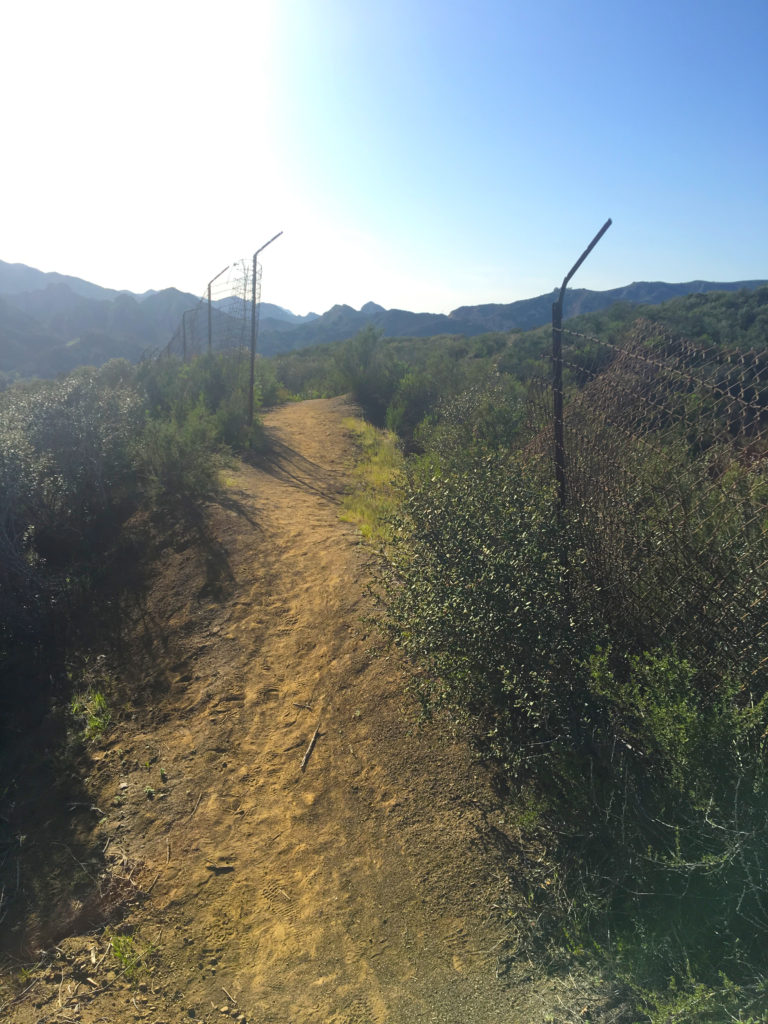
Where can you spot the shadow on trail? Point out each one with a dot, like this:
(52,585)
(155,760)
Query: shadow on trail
(55,878)
(217,567)
(240,509)
(286,464)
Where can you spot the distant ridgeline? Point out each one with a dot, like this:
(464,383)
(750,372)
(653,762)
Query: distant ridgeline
(51,323)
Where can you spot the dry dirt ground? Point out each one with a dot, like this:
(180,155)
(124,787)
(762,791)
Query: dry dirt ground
(368,885)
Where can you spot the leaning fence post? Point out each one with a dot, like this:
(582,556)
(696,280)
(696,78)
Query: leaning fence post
(557,396)
(210,315)
(557,368)
(255,306)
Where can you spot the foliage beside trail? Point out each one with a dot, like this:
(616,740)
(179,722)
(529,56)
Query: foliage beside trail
(398,382)
(81,455)
(402,383)
(378,482)
(647,768)
(631,737)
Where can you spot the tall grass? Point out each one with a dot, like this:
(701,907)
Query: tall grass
(378,482)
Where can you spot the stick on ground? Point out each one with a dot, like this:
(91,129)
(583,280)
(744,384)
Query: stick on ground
(310,748)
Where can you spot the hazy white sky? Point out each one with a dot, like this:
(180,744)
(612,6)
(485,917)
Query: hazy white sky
(422,154)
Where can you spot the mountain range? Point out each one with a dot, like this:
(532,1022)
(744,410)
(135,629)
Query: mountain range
(51,323)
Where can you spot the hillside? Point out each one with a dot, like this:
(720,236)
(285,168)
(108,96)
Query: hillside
(51,323)
(342,322)
(17,278)
(370,888)
(61,329)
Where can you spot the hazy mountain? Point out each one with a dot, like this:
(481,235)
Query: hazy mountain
(52,329)
(21,337)
(269,311)
(164,310)
(278,316)
(16,278)
(50,323)
(344,321)
(528,313)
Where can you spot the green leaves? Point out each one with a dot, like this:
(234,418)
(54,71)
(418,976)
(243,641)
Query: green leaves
(477,594)
(648,765)
(66,463)
(78,455)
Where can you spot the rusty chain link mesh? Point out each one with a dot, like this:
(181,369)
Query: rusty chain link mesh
(230,317)
(665,447)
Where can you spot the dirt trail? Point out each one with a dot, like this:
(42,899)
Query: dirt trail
(358,890)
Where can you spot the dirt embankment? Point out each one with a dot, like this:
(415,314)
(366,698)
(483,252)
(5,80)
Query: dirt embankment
(366,887)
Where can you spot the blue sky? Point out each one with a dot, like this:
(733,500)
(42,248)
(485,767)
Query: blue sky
(422,155)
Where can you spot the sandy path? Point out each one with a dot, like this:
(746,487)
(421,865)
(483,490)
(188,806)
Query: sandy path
(357,891)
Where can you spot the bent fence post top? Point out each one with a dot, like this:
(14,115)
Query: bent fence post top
(255,304)
(557,365)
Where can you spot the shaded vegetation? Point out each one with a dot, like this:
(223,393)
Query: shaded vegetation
(79,457)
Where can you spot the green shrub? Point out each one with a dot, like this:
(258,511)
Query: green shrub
(178,457)
(417,394)
(78,456)
(365,368)
(490,414)
(91,711)
(647,767)
(673,828)
(131,956)
(479,595)
(216,386)
(67,473)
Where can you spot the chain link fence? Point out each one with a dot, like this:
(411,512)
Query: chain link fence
(222,319)
(667,485)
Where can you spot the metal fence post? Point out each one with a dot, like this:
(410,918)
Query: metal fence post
(210,317)
(255,301)
(557,396)
(557,368)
